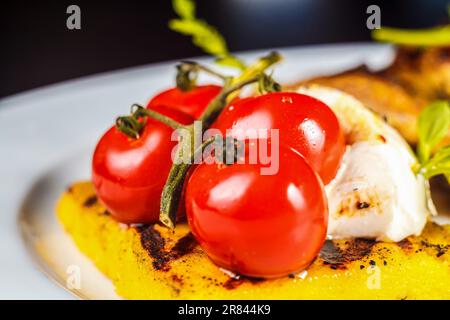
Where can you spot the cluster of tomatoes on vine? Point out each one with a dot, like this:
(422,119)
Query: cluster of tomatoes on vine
(252,224)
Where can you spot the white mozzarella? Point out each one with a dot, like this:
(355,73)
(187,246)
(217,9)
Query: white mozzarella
(376,193)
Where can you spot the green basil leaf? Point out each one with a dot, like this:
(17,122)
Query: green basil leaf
(441,168)
(438,164)
(447,176)
(442,155)
(434,123)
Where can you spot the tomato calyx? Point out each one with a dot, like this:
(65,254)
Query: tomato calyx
(187,75)
(267,84)
(133,124)
(130,126)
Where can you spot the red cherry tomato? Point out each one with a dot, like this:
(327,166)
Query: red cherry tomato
(192,102)
(129,174)
(258,225)
(305,123)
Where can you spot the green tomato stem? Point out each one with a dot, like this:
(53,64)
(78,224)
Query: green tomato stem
(173,188)
(139,111)
(131,125)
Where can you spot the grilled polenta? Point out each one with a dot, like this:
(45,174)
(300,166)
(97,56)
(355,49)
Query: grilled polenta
(153,262)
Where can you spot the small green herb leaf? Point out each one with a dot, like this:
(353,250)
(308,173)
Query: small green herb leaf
(184,8)
(437,36)
(434,123)
(230,61)
(438,164)
(204,36)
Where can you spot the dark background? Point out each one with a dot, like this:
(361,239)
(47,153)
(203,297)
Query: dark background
(37,48)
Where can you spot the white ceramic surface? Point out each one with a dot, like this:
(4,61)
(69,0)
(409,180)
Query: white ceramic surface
(46,139)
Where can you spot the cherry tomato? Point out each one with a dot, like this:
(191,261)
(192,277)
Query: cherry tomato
(192,102)
(305,123)
(129,174)
(258,225)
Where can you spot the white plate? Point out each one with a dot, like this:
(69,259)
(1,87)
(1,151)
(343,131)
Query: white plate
(47,136)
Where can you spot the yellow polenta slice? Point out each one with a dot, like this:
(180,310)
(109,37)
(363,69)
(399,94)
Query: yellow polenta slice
(152,262)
